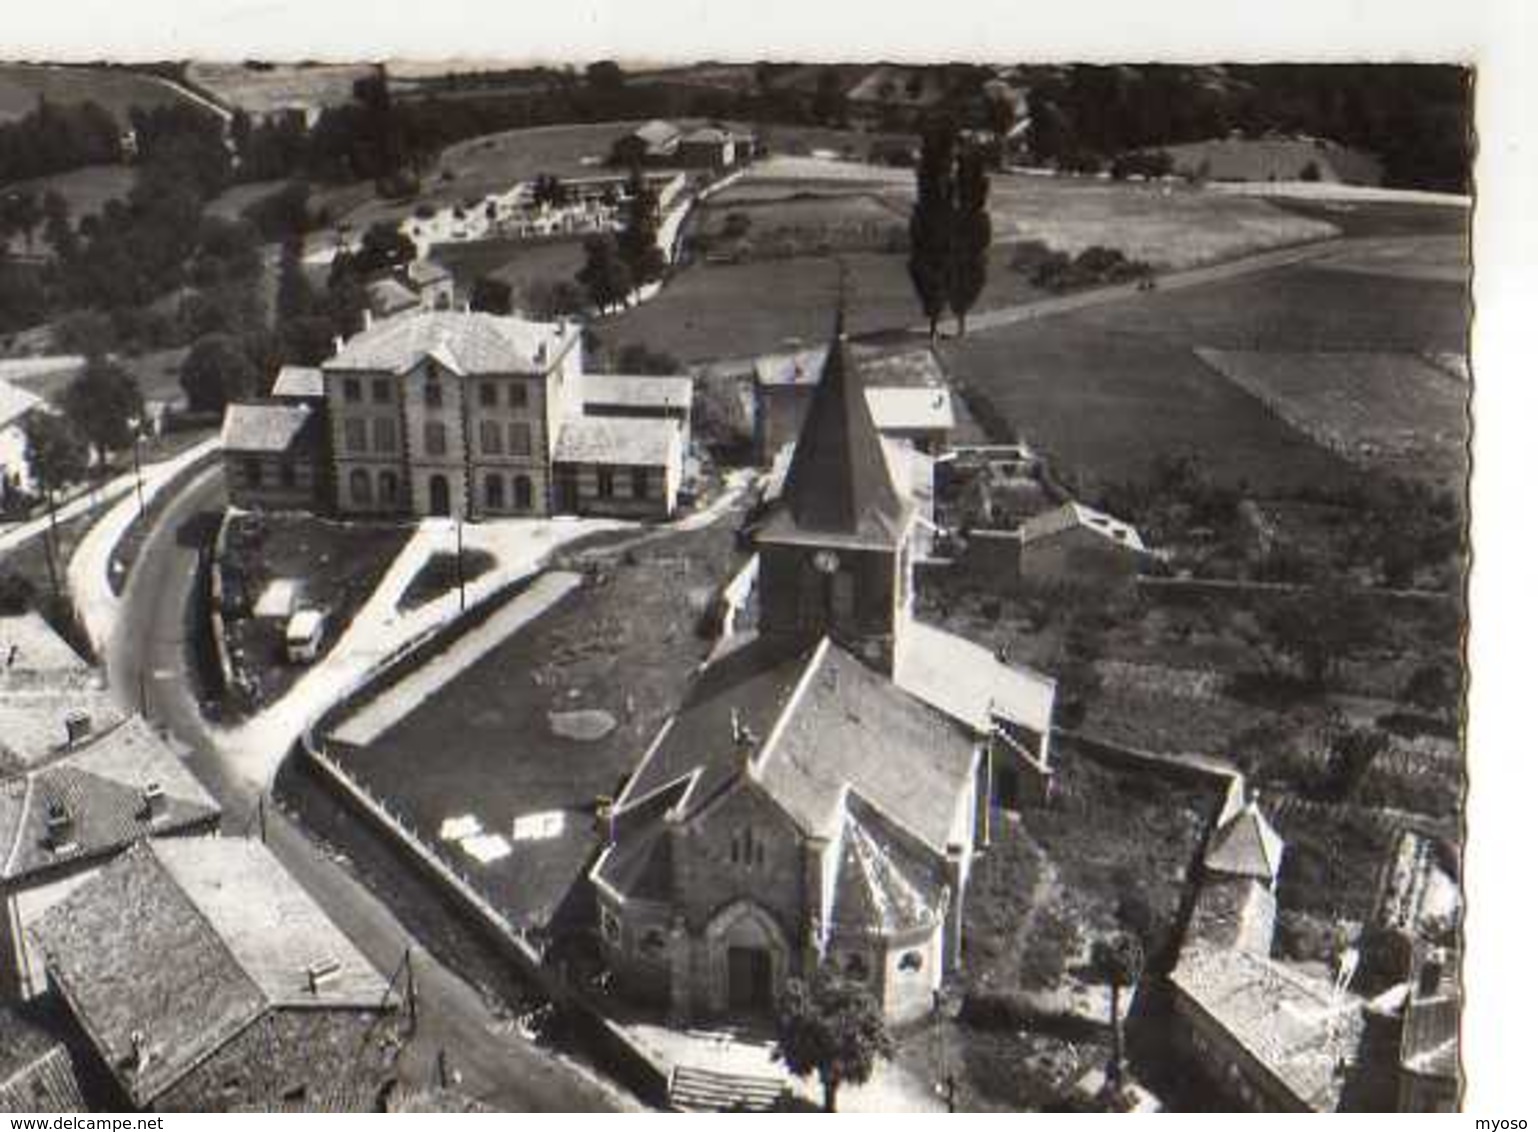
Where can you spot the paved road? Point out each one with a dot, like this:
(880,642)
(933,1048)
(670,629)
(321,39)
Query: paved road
(149,657)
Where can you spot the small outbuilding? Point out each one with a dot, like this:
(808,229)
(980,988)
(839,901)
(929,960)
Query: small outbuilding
(272,455)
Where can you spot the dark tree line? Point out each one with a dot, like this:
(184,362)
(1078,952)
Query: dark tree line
(55,138)
(949,230)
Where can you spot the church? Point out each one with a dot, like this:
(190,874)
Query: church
(820,796)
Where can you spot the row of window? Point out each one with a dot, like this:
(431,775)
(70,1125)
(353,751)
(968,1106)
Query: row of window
(489,393)
(640,483)
(435,437)
(365,490)
(287,475)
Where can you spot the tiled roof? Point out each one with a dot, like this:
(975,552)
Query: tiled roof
(299,381)
(1246,846)
(637,391)
(33,710)
(101,786)
(657,133)
(838,489)
(900,409)
(969,683)
(390,296)
(880,367)
(880,889)
(1076,516)
(36,1074)
(29,644)
(1301,1029)
(264,428)
(178,945)
(464,342)
(850,728)
(642,441)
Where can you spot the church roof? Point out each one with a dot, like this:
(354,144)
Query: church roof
(880,889)
(839,489)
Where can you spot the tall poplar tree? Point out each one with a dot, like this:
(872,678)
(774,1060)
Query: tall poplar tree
(930,226)
(972,232)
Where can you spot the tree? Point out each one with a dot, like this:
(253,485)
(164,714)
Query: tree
(1117,961)
(931,224)
(605,275)
(834,1029)
(58,232)
(20,215)
(548,189)
(973,233)
(1318,628)
(217,371)
(104,403)
(637,239)
(384,248)
(17,593)
(828,100)
(636,357)
(56,455)
(605,76)
(488,293)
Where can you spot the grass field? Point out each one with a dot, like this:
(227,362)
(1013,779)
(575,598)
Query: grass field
(262,90)
(114,89)
(520,263)
(1391,411)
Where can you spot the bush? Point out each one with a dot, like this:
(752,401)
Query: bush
(17,593)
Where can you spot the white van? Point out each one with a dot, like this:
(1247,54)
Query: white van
(301,640)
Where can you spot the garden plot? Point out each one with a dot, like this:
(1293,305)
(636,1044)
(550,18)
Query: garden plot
(1391,411)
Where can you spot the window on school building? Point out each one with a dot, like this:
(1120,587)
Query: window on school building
(518,395)
(491,438)
(605,483)
(355,433)
(352,390)
(519,439)
(389,487)
(432,392)
(358,485)
(488,394)
(523,493)
(496,492)
(382,390)
(384,434)
(287,476)
(435,438)
(253,471)
(640,482)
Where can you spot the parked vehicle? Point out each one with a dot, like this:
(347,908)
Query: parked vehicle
(302,638)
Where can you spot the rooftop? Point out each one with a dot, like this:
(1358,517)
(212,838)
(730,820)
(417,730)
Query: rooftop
(1246,845)
(36,1074)
(908,409)
(16,402)
(102,787)
(29,644)
(638,391)
(299,381)
(970,684)
(274,428)
(880,367)
(463,342)
(34,710)
(1076,516)
(209,934)
(1299,1028)
(634,441)
(1233,912)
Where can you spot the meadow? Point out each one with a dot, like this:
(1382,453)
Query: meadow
(114,89)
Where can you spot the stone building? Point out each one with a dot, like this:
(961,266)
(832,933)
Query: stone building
(820,796)
(273,455)
(203,978)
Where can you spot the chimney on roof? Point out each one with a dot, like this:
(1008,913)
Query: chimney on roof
(603,817)
(321,972)
(77,725)
(368,319)
(336,344)
(154,801)
(61,826)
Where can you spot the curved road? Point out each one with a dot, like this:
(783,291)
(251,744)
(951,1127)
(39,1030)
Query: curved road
(148,666)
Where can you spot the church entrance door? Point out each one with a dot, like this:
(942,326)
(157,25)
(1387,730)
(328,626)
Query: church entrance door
(749,979)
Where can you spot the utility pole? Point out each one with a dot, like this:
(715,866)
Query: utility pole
(411,991)
(261,816)
(459,558)
(138,467)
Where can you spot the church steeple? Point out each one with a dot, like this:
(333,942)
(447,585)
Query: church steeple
(839,488)
(834,554)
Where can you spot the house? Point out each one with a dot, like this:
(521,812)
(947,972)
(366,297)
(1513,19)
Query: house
(909,396)
(16,406)
(36,1073)
(204,978)
(388,296)
(63,818)
(1272,1037)
(655,143)
(1068,545)
(818,799)
(301,384)
(711,147)
(481,415)
(273,454)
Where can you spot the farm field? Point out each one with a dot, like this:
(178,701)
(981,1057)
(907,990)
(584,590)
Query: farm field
(1105,390)
(114,89)
(739,310)
(1397,412)
(260,90)
(1169,226)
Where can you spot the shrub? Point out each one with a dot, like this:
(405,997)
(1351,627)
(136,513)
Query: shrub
(17,593)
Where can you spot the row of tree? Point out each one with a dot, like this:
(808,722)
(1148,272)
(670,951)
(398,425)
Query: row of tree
(55,138)
(949,230)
